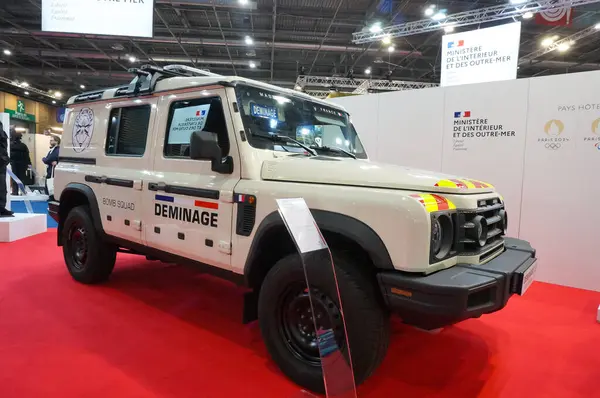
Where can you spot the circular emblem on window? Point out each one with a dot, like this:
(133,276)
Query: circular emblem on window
(83,130)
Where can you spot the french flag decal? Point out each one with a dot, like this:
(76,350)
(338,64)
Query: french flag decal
(187,202)
(462,114)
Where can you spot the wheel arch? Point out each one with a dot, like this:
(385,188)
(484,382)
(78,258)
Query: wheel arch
(272,241)
(77,194)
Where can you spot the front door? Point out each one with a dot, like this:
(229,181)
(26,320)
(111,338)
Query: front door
(189,205)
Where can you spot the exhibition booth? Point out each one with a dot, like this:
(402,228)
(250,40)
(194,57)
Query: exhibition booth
(467,268)
(537,140)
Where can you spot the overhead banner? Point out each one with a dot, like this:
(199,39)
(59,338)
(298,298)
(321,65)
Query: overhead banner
(99,17)
(483,55)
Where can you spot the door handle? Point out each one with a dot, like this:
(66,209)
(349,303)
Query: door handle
(156,186)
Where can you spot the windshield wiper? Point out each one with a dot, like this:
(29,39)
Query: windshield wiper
(285,138)
(334,149)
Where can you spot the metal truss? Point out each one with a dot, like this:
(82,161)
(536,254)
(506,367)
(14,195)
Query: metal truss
(471,17)
(28,88)
(570,40)
(360,86)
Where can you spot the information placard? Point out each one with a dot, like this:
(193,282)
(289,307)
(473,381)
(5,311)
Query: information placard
(483,55)
(100,17)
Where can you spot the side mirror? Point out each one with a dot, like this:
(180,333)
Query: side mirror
(205,146)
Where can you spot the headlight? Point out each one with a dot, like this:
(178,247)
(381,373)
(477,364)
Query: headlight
(480,232)
(442,236)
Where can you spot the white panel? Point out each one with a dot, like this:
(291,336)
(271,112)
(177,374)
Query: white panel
(483,55)
(363,113)
(561,183)
(410,128)
(22,226)
(484,138)
(120,18)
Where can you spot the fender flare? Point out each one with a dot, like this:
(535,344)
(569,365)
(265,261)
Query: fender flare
(85,190)
(338,223)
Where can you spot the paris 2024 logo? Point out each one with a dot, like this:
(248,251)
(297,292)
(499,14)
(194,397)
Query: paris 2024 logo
(83,130)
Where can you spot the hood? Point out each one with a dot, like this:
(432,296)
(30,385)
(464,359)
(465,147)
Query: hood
(341,171)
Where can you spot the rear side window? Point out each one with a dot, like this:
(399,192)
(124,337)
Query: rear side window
(128,131)
(189,116)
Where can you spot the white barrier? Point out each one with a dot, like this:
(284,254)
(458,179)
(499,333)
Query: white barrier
(537,140)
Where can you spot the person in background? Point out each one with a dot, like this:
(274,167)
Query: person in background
(51,159)
(4,161)
(19,159)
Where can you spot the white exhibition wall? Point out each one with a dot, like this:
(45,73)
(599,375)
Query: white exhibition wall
(536,140)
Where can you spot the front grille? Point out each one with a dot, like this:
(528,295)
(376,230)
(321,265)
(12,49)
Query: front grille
(490,210)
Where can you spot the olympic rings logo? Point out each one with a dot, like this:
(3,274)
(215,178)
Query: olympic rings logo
(552,145)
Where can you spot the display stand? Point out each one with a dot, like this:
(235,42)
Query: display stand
(22,225)
(336,362)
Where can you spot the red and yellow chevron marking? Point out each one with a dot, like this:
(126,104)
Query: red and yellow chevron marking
(463,184)
(434,202)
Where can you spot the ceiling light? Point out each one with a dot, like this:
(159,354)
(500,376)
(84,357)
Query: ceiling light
(449,28)
(517,1)
(54,102)
(528,15)
(252,64)
(563,47)
(249,41)
(391,49)
(26,92)
(7,51)
(58,94)
(429,11)
(24,84)
(81,86)
(375,28)
(243,2)
(132,59)
(547,42)
(597,26)
(386,39)
(368,71)
(439,16)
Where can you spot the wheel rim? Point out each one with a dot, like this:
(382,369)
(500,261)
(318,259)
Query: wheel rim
(297,326)
(78,246)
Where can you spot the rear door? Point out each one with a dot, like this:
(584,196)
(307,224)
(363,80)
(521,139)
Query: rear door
(188,206)
(119,176)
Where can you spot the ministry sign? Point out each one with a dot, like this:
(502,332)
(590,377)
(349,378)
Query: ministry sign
(100,17)
(482,55)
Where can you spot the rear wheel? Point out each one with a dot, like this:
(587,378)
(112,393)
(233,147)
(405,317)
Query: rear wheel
(286,319)
(88,258)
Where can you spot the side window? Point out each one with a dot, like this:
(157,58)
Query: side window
(188,116)
(128,131)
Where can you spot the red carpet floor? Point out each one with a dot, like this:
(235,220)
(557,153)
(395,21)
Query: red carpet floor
(165,331)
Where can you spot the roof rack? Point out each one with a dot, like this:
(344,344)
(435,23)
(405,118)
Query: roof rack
(145,80)
(190,70)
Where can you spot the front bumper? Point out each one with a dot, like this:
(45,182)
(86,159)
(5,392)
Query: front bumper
(461,292)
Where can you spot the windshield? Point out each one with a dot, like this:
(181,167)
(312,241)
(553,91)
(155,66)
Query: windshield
(325,129)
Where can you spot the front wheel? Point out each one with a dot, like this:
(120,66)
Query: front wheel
(286,318)
(88,258)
